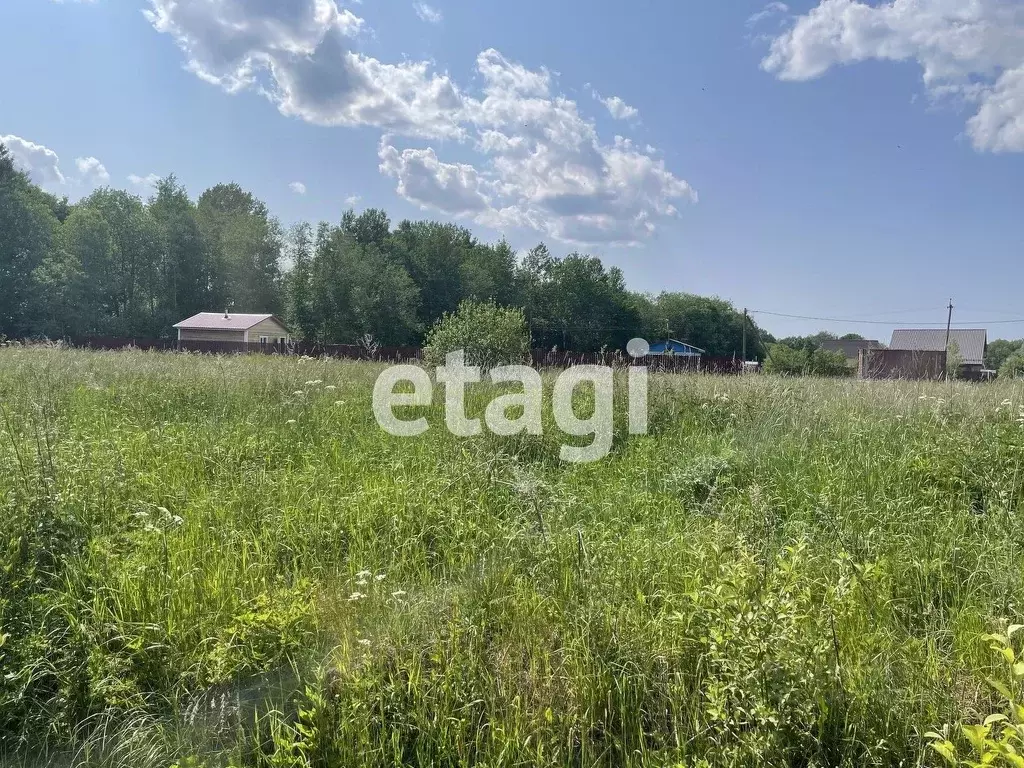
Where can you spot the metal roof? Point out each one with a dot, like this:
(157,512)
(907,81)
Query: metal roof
(850,348)
(660,347)
(971,341)
(224,321)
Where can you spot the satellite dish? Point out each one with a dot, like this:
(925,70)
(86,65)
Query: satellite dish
(638,348)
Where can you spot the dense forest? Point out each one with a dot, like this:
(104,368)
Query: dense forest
(114,264)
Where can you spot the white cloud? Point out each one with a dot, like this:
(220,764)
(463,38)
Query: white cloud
(299,54)
(43,167)
(149,180)
(39,162)
(427,13)
(91,171)
(541,163)
(353,200)
(973,50)
(770,10)
(297,187)
(619,109)
(544,167)
(453,188)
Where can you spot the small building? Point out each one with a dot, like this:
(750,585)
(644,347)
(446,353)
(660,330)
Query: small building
(233,327)
(970,342)
(850,348)
(675,348)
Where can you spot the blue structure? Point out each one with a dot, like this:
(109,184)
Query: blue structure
(675,348)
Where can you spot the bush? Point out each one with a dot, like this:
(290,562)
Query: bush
(1013,366)
(489,334)
(785,360)
(788,361)
(954,360)
(824,363)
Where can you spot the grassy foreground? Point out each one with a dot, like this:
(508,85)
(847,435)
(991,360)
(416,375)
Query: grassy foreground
(224,561)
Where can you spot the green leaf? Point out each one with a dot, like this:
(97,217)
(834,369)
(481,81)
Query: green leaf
(976,734)
(946,749)
(1013,629)
(1002,689)
(997,718)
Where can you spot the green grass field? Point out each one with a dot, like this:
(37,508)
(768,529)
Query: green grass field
(213,561)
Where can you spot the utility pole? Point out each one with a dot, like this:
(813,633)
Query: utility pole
(949,322)
(744,335)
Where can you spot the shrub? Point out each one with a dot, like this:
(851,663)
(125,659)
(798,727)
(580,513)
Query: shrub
(789,361)
(489,334)
(1013,366)
(954,360)
(785,360)
(824,363)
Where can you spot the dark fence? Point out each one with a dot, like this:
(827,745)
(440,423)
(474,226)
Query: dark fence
(902,364)
(657,363)
(347,351)
(540,358)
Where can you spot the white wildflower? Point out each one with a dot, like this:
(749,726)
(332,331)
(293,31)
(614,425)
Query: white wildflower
(361,583)
(379,577)
(362,574)
(290,421)
(398,593)
(339,402)
(330,387)
(298,393)
(363,642)
(356,596)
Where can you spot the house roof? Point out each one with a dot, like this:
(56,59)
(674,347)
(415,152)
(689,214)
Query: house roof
(224,321)
(850,347)
(971,341)
(665,343)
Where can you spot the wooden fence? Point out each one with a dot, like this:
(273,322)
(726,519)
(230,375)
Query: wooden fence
(539,358)
(902,364)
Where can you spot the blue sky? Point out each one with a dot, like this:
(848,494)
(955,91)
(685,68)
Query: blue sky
(834,159)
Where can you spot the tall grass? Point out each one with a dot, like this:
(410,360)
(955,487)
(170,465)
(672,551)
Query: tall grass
(224,561)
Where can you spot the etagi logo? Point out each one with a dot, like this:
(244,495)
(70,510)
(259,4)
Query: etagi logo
(455,375)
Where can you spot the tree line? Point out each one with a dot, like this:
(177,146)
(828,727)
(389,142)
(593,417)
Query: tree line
(114,264)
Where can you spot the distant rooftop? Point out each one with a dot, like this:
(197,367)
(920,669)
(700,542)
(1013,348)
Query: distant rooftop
(850,348)
(221,321)
(970,341)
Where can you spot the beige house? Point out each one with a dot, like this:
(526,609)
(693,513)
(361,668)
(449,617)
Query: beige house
(232,326)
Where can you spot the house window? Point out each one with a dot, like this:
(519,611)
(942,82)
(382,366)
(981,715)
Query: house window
(264,340)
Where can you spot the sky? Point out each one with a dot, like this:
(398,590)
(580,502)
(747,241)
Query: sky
(861,162)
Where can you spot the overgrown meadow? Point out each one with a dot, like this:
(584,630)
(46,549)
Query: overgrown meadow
(223,561)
